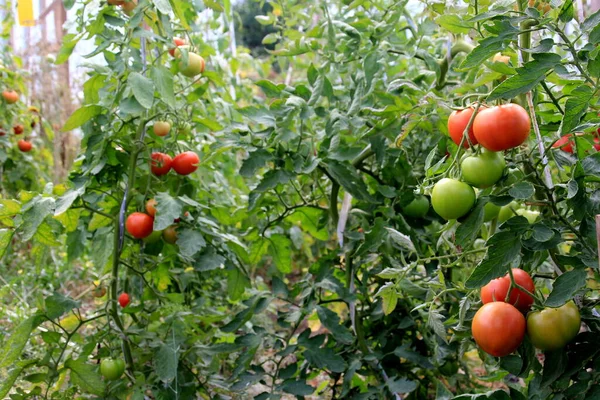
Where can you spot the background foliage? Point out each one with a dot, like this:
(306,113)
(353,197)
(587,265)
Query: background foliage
(296,272)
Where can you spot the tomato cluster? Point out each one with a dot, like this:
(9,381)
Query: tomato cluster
(184,163)
(499,326)
(141,225)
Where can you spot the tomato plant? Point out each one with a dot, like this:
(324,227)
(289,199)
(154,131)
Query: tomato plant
(160,164)
(502,127)
(124,300)
(185,163)
(498,289)
(417,208)
(112,369)
(452,199)
(483,170)
(24,146)
(139,225)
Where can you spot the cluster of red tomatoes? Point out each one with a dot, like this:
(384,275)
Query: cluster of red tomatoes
(496,129)
(567,142)
(11,97)
(499,326)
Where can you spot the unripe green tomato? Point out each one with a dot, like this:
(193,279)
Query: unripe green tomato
(452,199)
(483,170)
(417,208)
(553,328)
(112,369)
(531,215)
(490,211)
(506,212)
(154,237)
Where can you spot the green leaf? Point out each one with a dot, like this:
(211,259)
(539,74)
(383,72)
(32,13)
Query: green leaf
(312,220)
(401,239)
(491,45)
(331,321)
(81,116)
(167,210)
(85,376)
(527,77)
(567,11)
(190,242)
(271,38)
(142,88)
(236,283)
(258,115)
(102,248)
(281,251)
(57,305)
(522,191)
(401,385)
(163,80)
(165,363)
(269,88)
(469,229)
(453,23)
(69,42)
(34,214)
(5,238)
(503,249)
(325,358)
(565,287)
(575,108)
(554,365)
(209,262)
(347,176)
(298,388)
(164,6)
(13,347)
(11,376)
(256,160)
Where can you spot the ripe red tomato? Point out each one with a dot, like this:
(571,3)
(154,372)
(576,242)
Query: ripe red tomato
(161,128)
(139,225)
(124,300)
(112,369)
(565,143)
(10,96)
(178,42)
(160,164)
(116,2)
(170,234)
(151,207)
(457,122)
(483,170)
(597,143)
(502,127)
(186,163)
(553,328)
(24,146)
(452,199)
(498,328)
(18,129)
(497,289)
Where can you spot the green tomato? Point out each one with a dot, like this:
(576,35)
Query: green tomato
(452,199)
(483,170)
(154,237)
(490,211)
(194,65)
(531,216)
(417,208)
(112,369)
(553,328)
(507,213)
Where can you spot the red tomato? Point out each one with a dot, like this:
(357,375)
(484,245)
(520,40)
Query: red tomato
(502,127)
(597,143)
(178,42)
(498,328)
(151,207)
(24,146)
(186,163)
(565,143)
(10,96)
(457,122)
(497,289)
(160,164)
(2,132)
(18,129)
(139,225)
(116,2)
(124,299)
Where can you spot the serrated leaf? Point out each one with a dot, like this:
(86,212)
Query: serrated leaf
(167,210)
(81,116)
(575,107)
(256,160)
(163,80)
(521,191)
(331,321)
(34,214)
(13,347)
(453,23)
(190,242)
(348,177)
(236,283)
(85,376)
(565,287)
(165,363)
(281,251)
(503,249)
(142,88)
(164,6)
(401,239)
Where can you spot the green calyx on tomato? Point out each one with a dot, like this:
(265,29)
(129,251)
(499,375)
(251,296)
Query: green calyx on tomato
(112,369)
(553,328)
(417,208)
(498,328)
(483,170)
(452,199)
